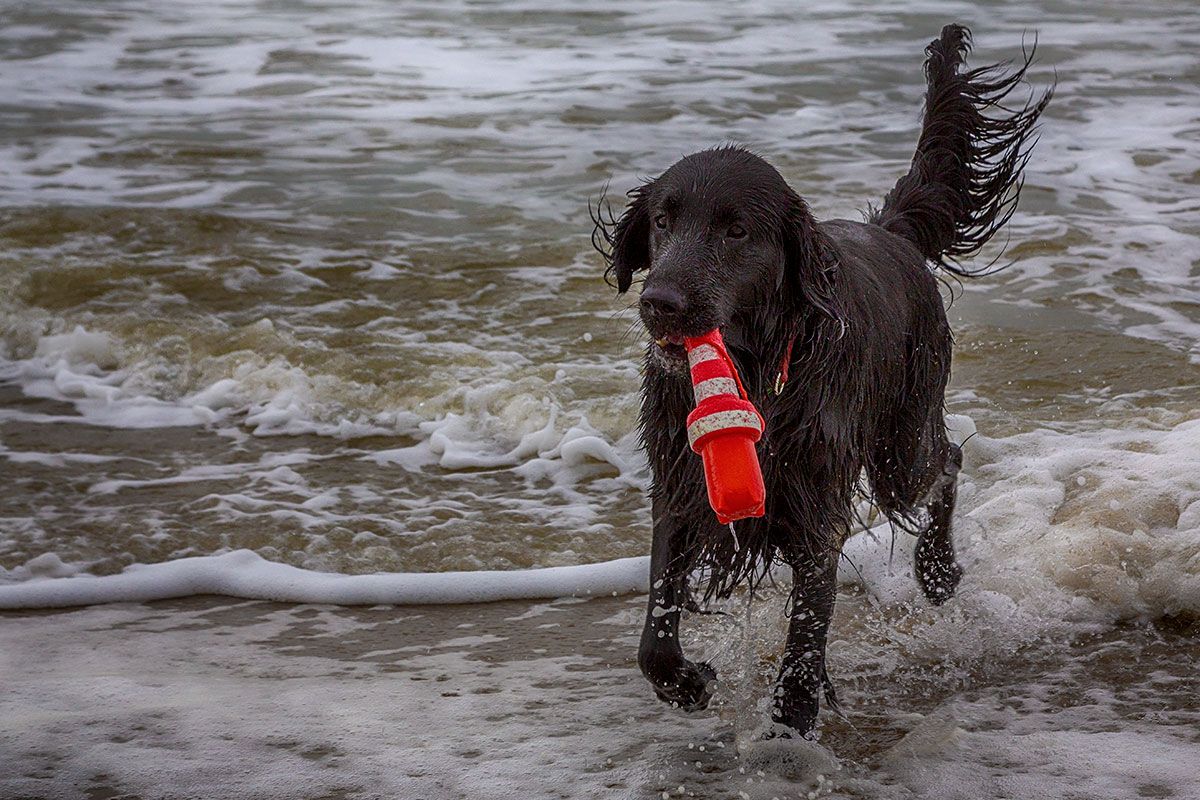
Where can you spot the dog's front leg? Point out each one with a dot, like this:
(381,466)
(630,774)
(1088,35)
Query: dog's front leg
(660,655)
(802,674)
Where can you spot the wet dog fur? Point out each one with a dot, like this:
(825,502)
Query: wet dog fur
(852,313)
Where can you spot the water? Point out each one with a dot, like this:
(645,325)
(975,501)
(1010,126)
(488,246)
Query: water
(315,281)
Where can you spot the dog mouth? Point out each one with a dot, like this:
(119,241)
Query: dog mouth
(671,346)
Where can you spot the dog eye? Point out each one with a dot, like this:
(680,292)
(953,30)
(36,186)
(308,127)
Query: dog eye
(736,232)
(660,222)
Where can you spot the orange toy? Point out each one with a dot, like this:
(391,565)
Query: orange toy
(723,429)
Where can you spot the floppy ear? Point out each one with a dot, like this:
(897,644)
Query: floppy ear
(810,263)
(630,240)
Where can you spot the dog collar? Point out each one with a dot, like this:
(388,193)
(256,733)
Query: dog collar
(782,375)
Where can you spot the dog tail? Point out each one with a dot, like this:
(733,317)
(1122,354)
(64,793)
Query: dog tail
(966,175)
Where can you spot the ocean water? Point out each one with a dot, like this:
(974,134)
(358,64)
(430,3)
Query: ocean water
(311,284)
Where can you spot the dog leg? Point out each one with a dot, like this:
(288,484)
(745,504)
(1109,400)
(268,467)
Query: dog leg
(660,656)
(936,569)
(802,676)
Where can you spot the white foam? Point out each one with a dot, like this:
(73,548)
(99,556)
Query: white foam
(1085,529)
(880,560)
(243,573)
(79,347)
(965,751)
(99,396)
(800,761)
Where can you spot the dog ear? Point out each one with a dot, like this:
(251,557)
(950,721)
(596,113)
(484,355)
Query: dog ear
(810,262)
(630,240)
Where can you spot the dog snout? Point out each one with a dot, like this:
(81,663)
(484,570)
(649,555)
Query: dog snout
(663,304)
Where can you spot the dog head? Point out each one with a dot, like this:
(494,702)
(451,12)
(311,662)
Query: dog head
(720,236)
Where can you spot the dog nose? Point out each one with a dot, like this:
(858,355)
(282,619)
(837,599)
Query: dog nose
(663,301)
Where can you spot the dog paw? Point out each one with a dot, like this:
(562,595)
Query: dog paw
(690,687)
(781,730)
(792,723)
(939,579)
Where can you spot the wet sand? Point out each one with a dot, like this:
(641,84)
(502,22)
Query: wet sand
(212,697)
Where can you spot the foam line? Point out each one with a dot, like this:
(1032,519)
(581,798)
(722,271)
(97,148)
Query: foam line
(244,573)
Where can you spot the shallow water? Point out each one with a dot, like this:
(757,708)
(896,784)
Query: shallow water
(316,281)
(544,700)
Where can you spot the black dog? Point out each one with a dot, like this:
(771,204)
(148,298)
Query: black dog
(839,333)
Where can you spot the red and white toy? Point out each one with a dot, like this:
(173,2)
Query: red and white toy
(723,429)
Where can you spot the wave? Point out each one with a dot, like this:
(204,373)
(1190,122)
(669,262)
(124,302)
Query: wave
(245,574)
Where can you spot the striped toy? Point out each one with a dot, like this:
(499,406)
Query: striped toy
(723,428)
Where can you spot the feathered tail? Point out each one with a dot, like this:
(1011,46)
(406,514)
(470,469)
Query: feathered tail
(966,175)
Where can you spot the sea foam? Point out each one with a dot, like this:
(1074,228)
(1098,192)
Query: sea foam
(243,573)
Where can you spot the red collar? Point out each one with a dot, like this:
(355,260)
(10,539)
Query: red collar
(782,376)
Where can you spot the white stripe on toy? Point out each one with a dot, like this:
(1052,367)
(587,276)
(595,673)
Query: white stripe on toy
(722,419)
(713,387)
(702,353)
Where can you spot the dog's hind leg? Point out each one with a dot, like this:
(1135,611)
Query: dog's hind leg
(914,472)
(802,676)
(676,680)
(934,564)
